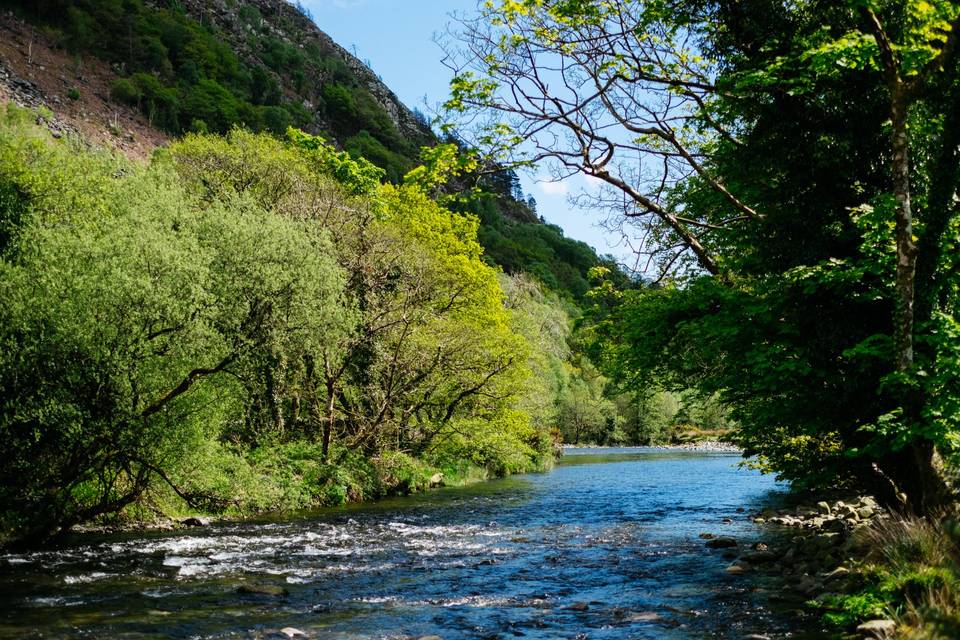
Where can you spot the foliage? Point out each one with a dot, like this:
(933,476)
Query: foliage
(796,199)
(126,312)
(911,573)
(246,324)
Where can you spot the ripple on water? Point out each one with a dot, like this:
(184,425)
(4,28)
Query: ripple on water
(607,549)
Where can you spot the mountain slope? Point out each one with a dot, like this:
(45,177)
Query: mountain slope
(132,73)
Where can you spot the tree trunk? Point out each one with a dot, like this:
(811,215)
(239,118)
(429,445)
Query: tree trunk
(917,472)
(330,417)
(906,246)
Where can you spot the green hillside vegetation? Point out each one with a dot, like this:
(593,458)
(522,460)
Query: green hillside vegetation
(185,76)
(246,333)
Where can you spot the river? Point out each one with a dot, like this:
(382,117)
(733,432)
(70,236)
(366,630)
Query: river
(604,546)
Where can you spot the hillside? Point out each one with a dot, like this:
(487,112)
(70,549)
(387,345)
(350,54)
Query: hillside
(210,65)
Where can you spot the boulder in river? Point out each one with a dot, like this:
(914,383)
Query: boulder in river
(759,557)
(645,616)
(722,542)
(196,521)
(293,632)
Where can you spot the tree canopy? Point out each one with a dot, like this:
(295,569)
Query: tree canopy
(792,172)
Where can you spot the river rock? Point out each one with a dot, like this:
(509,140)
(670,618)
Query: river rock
(196,521)
(805,584)
(835,525)
(824,507)
(436,480)
(577,606)
(877,629)
(293,632)
(646,616)
(429,638)
(838,572)
(738,567)
(759,557)
(722,542)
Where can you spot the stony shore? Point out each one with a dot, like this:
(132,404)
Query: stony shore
(714,446)
(812,552)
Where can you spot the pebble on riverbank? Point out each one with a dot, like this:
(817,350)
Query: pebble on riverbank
(816,559)
(710,446)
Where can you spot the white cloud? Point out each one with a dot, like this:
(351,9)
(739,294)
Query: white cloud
(592,182)
(551,188)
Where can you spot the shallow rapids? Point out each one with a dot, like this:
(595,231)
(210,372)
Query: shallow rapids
(604,546)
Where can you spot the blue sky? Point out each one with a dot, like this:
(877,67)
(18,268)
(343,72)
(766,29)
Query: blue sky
(397,38)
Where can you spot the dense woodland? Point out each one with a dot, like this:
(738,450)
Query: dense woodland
(793,170)
(290,307)
(376,317)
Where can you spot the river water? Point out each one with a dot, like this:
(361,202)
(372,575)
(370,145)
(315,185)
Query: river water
(604,546)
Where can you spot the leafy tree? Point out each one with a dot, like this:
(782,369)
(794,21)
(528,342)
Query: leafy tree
(799,229)
(133,311)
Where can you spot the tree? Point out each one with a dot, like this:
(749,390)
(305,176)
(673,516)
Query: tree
(136,316)
(592,89)
(430,346)
(750,159)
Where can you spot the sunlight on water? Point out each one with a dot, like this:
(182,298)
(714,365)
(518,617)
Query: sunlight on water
(605,545)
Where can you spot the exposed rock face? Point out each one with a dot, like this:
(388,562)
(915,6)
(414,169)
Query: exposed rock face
(287,23)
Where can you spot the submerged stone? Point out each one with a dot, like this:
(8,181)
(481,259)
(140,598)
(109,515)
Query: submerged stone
(721,543)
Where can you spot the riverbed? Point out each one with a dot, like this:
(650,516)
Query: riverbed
(606,545)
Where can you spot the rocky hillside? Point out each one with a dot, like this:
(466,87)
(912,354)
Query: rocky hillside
(265,20)
(257,29)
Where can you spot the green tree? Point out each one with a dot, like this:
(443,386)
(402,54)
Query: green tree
(133,311)
(792,254)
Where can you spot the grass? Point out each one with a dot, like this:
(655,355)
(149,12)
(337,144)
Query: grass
(912,572)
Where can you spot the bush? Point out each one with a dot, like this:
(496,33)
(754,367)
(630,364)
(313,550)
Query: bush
(126,92)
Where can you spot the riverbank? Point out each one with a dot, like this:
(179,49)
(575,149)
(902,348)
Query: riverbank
(707,446)
(165,514)
(857,568)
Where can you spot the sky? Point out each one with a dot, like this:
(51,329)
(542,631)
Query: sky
(397,38)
